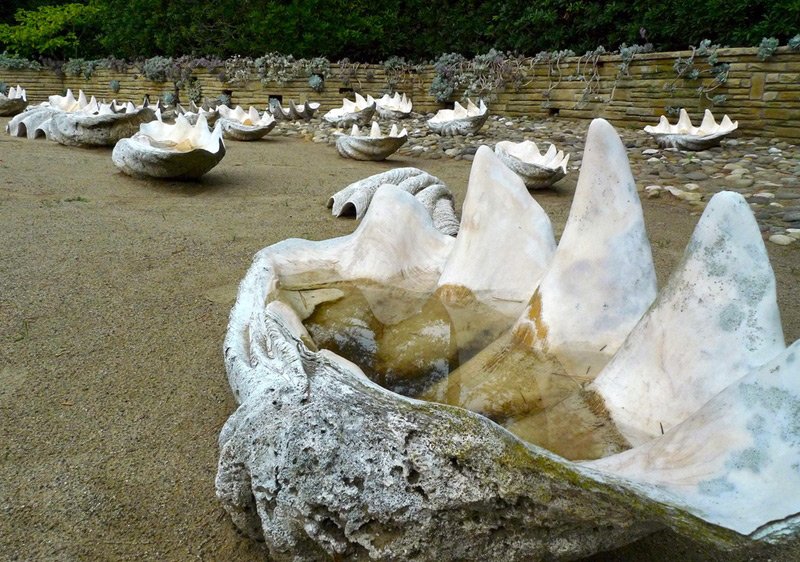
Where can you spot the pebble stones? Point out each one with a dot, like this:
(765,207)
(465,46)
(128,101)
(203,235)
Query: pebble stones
(768,180)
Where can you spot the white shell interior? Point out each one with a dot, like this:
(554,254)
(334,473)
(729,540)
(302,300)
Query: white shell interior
(528,152)
(250,118)
(459,112)
(375,132)
(17,93)
(708,126)
(398,102)
(181,137)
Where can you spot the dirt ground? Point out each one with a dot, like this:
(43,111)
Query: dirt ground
(114,298)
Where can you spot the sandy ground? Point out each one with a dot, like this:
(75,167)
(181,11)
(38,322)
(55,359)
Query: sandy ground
(114,297)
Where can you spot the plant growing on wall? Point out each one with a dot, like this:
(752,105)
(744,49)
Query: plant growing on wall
(114,85)
(685,69)
(276,68)
(157,69)
(347,71)
(447,77)
(13,62)
(767,47)
(237,70)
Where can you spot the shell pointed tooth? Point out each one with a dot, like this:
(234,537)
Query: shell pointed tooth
(361,103)
(82,101)
(375,130)
(565,162)
(393,130)
(727,125)
(605,240)
(684,125)
(252,113)
(707,329)
(709,124)
(354,131)
(488,239)
(459,111)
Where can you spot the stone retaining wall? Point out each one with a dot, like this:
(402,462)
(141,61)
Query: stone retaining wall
(764,96)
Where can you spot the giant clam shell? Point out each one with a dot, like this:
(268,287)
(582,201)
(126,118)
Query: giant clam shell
(241,125)
(684,136)
(14,102)
(31,122)
(193,112)
(104,128)
(459,120)
(294,112)
(392,107)
(373,146)
(429,190)
(537,170)
(179,151)
(351,113)
(690,397)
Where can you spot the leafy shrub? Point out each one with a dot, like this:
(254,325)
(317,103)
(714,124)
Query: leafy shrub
(794,42)
(13,62)
(50,30)
(114,86)
(4,88)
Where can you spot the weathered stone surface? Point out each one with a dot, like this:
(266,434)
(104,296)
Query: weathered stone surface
(318,462)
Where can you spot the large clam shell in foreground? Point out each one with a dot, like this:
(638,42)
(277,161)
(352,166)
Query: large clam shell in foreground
(687,398)
(179,151)
(683,135)
(372,146)
(14,102)
(537,170)
(460,120)
(351,113)
(241,125)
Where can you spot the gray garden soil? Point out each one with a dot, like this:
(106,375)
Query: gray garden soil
(114,298)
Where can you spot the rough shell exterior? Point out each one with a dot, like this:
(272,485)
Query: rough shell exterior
(684,136)
(30,122)
(81,129)
(370,147)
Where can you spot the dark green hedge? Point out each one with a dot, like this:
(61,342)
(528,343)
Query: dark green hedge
(372,31)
